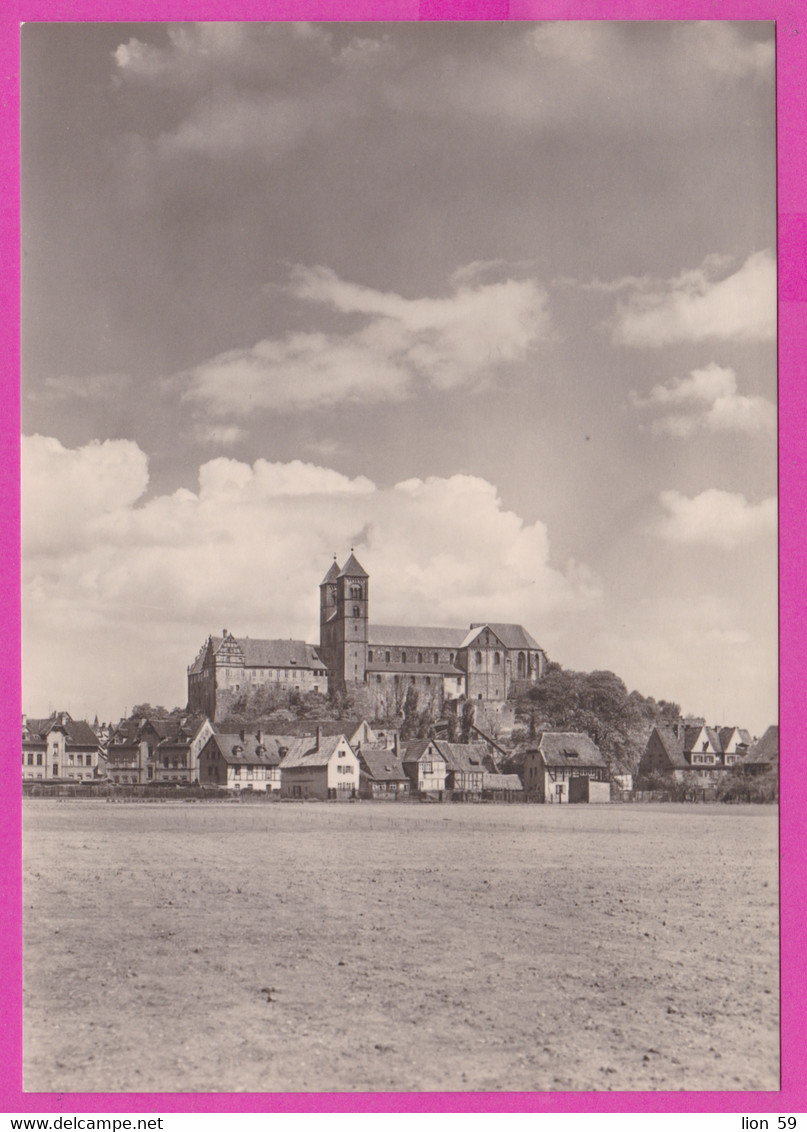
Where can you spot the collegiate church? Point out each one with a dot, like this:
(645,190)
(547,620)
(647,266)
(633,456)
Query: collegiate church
(480,663)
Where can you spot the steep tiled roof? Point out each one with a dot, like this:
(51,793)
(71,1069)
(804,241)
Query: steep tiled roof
(474,632)
(501,782)
(413,751)
(244,752)
(413,636)
(673,746)
(512,636)
(80,734)
(462,756)
(260,653)
(382,765)
(714,739)
(568,748)
(304,752)
(353,569)
(743,738)
(765,750)
(332,574)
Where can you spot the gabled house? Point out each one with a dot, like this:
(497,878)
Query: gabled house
(555,760)
(466,764)
(425,768)
(59,747)
(382,775)
(663,757)
(126,763)
(734,742)
(702,747)
(324,767)
(696,753)
(243,760)
(170,760)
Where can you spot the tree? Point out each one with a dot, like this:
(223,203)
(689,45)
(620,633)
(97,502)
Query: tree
(467,722)
(411,719)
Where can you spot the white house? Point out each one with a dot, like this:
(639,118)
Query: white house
(323,767)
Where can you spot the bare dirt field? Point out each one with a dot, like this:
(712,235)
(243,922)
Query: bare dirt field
(182,947)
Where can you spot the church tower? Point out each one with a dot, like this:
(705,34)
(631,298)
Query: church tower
(327,616)
(350,623)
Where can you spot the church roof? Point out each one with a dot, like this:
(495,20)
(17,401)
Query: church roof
(353,569)
(413,636)
(512,636)
(332,574)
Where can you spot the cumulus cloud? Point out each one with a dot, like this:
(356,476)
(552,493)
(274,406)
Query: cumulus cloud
(106,572)
(262,88)
(67,387)
(697,306)
(708,400)
(399,346)
(721,519)
(724,48)
(67,492)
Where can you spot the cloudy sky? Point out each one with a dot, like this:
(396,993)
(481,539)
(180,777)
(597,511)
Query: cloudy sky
(494,303)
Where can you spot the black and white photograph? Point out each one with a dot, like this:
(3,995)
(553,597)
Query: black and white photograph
(399,557)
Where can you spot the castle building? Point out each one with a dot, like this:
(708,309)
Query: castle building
(480,663)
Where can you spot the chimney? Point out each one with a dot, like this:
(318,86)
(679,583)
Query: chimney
(259,737)
(243,735)
(319,738)
(397,745)
(224,633)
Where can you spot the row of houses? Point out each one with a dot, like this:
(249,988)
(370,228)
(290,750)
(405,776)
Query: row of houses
(703,755)
(335,760)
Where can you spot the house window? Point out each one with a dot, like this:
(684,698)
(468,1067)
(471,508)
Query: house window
(30,760)
(369,654)
(356,611)
(478,659)
(378,679)
(237,771)
(428,679)
(496,658)
(403,658)
(451,658)
(436,657)
(427,768)
(420,658)
(39,760)
(386,657)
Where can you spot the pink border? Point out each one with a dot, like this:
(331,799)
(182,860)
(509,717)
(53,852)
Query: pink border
(792,145)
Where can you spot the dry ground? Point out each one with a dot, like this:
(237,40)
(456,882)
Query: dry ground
(403,947)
